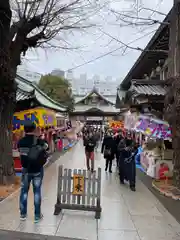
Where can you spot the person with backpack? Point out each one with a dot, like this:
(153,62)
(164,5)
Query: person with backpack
(33,154)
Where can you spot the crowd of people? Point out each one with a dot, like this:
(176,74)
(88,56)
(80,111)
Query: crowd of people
(33,150)
(114,146)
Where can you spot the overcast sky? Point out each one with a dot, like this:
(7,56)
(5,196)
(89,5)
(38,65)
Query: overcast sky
(95,43)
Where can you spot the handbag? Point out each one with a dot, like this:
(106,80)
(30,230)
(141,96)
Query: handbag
(107,153)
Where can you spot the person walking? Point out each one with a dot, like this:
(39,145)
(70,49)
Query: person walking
(33,154)
(128,166)
(108,149)
(118,139)
(97,138)
(90,144)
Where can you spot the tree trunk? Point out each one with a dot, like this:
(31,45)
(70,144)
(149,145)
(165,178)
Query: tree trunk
(176,133)
(173,102)
(7,172)
(7,96)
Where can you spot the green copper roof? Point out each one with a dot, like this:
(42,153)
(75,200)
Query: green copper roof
(27,89)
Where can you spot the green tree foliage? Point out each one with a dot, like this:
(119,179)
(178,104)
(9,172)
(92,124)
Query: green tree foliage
(58,89)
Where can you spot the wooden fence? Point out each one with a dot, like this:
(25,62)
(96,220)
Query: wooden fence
(79,190)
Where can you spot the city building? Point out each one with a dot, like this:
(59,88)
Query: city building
(83,85)
(58,73)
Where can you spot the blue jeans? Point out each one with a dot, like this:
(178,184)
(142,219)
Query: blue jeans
(26,179)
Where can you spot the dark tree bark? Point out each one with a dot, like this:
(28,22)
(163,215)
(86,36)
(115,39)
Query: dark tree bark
(7,96)
(37,23)
(173,97)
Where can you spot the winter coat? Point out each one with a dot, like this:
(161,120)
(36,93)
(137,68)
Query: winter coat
(89,144)
(127,163)
(109,144)
(118,139)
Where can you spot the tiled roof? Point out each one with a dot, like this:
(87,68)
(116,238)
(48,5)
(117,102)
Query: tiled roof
(149,59)
(23,91)
(22,95)
(145,89)
(95,91)
(110,98)
(84,108)
(27,89)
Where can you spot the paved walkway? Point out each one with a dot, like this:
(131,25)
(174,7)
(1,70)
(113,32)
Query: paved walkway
(125,214)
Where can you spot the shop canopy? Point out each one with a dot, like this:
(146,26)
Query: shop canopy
(29,90)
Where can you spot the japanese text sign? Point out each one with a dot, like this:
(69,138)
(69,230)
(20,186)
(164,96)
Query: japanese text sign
(42,117)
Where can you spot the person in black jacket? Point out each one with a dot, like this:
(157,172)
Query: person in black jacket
(108,149)
(118,139)
(90,143)
(127,165)
(32,171)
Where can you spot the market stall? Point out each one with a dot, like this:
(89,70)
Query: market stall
(32,104)
(156,148)
(45,121)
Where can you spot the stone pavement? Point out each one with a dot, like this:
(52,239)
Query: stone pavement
(15,235)
(125,214)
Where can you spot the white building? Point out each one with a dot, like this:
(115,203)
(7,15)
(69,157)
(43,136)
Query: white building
(58,73)
(82,85)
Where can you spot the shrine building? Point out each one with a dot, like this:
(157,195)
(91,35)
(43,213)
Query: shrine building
(94,108)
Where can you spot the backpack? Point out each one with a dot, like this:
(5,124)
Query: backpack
(36,155)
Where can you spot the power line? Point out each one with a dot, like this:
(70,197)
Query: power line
(133,48)
(108,53)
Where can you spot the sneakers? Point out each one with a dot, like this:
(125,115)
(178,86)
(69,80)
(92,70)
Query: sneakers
(23,217)
(36,219)
(39,218)
(133,189)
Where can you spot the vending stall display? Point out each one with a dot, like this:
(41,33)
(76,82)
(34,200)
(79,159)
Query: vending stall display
(45,121)
(155,156)
(116,124)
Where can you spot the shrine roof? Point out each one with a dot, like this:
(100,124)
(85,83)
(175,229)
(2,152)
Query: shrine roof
(148,88)
(27,89)
(156,49)
(85,108)
(108,99)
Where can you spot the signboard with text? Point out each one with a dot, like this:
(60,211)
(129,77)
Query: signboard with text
(116,124)
(78,185)
(154,128)
(42,117)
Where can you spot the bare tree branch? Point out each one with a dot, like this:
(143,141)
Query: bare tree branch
(152,10)
(37,22)
(138,20)
(133,48)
